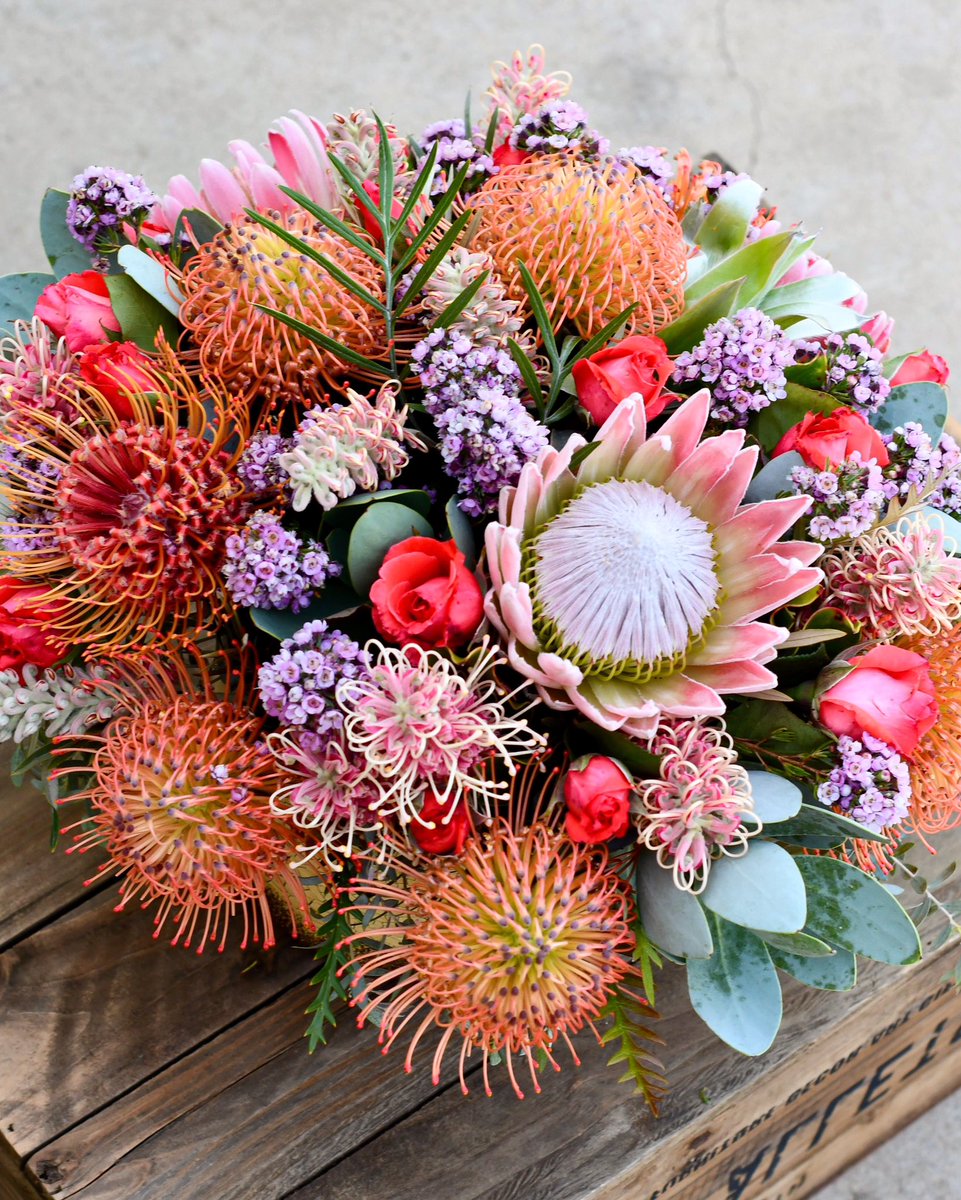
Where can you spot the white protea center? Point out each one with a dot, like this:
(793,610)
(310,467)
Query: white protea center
(625,574)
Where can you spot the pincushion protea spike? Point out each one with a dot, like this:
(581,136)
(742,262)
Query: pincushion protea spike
(628,583)
(126,520)
(936,760)
(509,948)
(180,799)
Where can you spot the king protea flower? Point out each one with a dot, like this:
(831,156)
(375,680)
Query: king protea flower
(630,585)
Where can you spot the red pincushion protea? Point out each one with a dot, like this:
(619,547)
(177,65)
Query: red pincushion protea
(180,801)
(128,519)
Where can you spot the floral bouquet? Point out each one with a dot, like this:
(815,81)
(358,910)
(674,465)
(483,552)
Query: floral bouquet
(507,564)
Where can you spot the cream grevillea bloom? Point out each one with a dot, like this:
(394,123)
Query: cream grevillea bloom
(628,582)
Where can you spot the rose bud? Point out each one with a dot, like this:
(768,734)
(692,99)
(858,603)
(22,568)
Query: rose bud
(922,368)
(635,366)
(827,439)
(597,791)
(426,594)
(25,612)
(116,369)
(887,692)
(880,329)
(78,309)
(447,836)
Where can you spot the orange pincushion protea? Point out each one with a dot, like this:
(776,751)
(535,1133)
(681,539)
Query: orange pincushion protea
(596,238)
(936,761)
(180,801)
(126,520)
(246,265)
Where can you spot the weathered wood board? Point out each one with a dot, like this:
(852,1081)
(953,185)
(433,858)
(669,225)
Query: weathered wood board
(132,1071)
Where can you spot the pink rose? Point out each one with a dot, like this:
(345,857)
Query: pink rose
(827,439)
(77,308)
(888,693)
(598,797)
(426,594)
(922,368)
(880,329)
(116,369)
(637,365)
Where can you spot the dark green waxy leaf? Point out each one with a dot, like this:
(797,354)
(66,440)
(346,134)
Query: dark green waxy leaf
(736,991)
(197,226)
(685,333)
(774,478)
(381,526)
(815,827)
(839,973)
(851,909)
(640,762)
(336,600)
(756,266)
(801,944)
(414,498)
(673,919)
(461,531)
(773,422)
(762,889)
(18,297)
(64,253)
(761,722)
(141,317)
(926,403)
(775,798)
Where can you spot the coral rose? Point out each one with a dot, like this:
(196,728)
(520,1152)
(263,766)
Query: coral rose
(888,693)
(446,837)
(598,797)
(426,594)
(635,366)
(922,368)
(25,611)
(116,368)
(827,439)
(78,309)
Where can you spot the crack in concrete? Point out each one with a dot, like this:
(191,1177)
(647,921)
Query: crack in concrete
(726,56)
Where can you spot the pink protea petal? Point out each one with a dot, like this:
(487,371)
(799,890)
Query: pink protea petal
(682,696)
(518,505)
(721,502)
(183,192)
(584,701)
(731,643)
(224,196)
(744,676)
(622,700)
(675,441)
(745,576)
(301,158)
(750,605)
(264,183)
(623,433)
(560,671)
(805,552)
(708,464)
(755,526)
(246,155)
(518,616)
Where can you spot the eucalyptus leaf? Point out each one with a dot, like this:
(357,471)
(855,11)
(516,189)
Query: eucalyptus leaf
(336,600)
(774,478)
(800,944)
(926,403)
(64,253)
(775,798)
(820,828)
(839,973)
(414,498)
(736,991)
(18,297)
(672,918)
(762,889)
(141,317)
(381,527)
(798,297)
(151,276)
(197,226)
(461,531)
(819,318)
(851,909)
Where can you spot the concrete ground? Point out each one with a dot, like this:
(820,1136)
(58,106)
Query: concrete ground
(848,110)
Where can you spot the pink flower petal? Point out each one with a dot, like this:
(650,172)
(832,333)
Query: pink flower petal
(756,526)
(561,672)
(680,695)
(732,643)
(750,604)
(265,190)
(736,677)
(518,616)
(709,463)
(723,499)
(224,196)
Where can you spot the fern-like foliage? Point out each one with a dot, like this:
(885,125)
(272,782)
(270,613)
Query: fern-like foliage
(630,1031)
(331,988)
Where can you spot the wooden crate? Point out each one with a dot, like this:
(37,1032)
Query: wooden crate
(131,1071)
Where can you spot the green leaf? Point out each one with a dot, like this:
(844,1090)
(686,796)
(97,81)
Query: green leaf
(356,186)
(327,343)
(754,266)
(426,231)
(461,531)
(673,919)
(64,253)
(800,944)
(331,987)
(414,498)
(798,298)
(926,403)
(18,297)
(762,889)
(385,174)
(198,225)
(539,310)
(141,317)
(646,960)
(381,526)
(775,798)
(432,262)
(337,600)
(685,333)
(528,374)
(725,227)
(150,275)
(849,908)
(639,761)
(763,722)
(773,479)
(773,422)
(630,1030)
(335,224)
(839,973)
(818,828)
(819,319)
(736,991)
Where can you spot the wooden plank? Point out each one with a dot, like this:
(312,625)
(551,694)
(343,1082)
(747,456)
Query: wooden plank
(93,1006)
(35,884)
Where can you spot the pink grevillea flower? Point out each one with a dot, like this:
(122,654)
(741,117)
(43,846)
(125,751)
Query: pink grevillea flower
(628,584)
(421,725)
(299,147)
(325,794)
(701,805)
(37,371)
(520,87)
(896,582)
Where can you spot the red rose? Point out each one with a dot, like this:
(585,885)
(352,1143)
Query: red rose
(450,831)
(116,369)
(25,612)
(636,365)
(922,368)
(598,797)
(77,308)
(827,439)
(506,155)
(426,594)
(887,693)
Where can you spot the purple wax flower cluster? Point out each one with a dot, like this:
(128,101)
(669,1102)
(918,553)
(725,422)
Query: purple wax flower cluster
(454,148)
(101,199)
(558,126)
(918,462)
(870,784)
(742,359)
(652,162)
(855,371)
(848,499)
(486,433)
(30,529)
(297,685)
(258,468)
(268,566)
